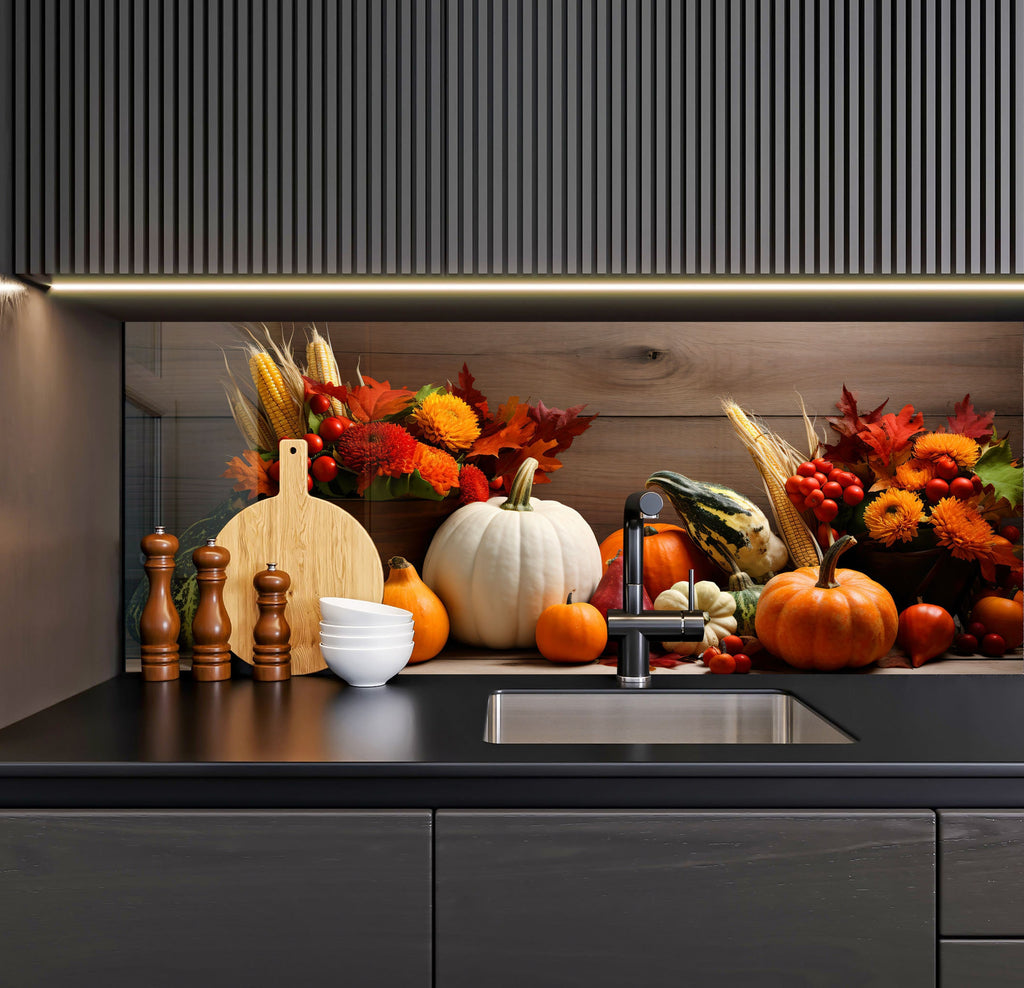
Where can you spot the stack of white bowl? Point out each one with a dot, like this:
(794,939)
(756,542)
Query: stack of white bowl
(362,642)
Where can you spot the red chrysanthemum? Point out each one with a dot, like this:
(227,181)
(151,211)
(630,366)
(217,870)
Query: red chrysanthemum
(473,484)
(375,449)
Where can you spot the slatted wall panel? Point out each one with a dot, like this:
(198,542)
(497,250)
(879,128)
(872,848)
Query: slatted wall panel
(515,136)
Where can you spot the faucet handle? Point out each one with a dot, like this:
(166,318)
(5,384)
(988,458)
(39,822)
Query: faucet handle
(650,504)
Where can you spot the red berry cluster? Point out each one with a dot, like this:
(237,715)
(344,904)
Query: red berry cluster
(820,487)
(949,483)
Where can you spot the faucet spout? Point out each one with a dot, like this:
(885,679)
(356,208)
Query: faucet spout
(633,626)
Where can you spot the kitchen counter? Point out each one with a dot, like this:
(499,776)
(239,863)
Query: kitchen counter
(312,741)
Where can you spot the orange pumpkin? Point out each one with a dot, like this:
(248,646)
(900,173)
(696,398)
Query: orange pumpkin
(820,617)
(404,588)
(571,632)
(669,555)
(1003,616)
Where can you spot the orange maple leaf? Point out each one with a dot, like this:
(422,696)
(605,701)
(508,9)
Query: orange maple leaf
(250,474)
(510,430)
(889,438)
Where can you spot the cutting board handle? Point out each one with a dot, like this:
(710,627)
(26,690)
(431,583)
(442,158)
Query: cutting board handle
(293,483)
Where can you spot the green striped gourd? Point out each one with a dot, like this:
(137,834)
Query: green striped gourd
(727,526)
(746,593)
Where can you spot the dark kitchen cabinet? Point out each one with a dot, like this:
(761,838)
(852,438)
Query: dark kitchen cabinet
(981,963)
(207,898)
(654,898)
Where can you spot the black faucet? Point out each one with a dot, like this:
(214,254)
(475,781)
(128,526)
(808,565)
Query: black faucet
(633,626)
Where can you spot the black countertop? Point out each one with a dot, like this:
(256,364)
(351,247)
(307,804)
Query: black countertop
(935,741)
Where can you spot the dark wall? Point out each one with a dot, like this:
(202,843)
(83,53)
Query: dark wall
(60,502)
(556,136)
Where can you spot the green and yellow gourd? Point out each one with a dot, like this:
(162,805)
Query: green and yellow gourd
(746,593)
(728,527)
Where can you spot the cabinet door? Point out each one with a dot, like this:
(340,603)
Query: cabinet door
(700,898)
(215,898)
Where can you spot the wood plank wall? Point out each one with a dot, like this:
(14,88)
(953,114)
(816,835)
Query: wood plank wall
(655,386)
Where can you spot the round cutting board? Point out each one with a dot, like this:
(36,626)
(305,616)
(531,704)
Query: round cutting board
(324,550)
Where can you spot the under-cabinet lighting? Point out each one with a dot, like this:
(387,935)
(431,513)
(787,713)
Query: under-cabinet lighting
(554,286)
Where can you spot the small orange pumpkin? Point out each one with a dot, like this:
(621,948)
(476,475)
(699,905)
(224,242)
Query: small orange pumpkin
(1003,616)
(571,632)
(669,555)
(404,588)
(820,617)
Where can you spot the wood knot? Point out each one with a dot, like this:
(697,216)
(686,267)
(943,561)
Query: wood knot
(653,355)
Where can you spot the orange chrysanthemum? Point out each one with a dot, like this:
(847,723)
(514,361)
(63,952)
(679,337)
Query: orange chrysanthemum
(436,467)
(375,449)
(963,450)
(446,420)
(473,485)
(961,529)
(894,516)
(914,474)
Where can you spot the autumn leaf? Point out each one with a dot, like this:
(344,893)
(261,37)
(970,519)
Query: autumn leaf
(376,401)
(997,469)
(889,439)
(249,471)
(967,422)
(467,391)
(849,425)
(510,430)
(562,426)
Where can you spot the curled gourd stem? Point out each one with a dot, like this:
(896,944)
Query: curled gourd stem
(827,569)
(522,487)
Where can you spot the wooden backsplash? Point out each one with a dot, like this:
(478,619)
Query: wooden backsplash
(655,386)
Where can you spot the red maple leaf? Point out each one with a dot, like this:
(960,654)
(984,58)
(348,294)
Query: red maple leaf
(850,447)
(510,430)
(562,426)
(466,390)
(250,474)
(371,401)
(967,422)
(889,437)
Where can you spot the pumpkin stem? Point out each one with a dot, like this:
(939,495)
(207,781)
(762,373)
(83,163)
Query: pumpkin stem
(649,530)
(398,562)
(522,487)
(568,599)
(827,569)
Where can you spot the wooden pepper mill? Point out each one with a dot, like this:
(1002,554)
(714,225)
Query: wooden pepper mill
(271,650)
(211,626)
(159,624)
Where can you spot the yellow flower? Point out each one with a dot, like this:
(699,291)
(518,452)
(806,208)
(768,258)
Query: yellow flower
(894,516)
(447,421)
(963,450)
(914,474)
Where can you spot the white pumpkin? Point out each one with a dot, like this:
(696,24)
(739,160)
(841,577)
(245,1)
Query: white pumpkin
(497,564)
(719,608)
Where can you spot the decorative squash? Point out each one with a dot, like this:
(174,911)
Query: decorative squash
(925,631)
(571,632)
(669,555)
(404,588)
(498,564)
(1002,616)
(746,593)
(718,608)
(727,526)
(820,617)
(607,596)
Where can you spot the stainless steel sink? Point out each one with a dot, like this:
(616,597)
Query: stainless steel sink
(655,717)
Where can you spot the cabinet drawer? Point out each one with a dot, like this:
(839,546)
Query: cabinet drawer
(981,963)
(981,873)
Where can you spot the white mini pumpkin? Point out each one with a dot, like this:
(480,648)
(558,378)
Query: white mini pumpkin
(719,608)
(497,564)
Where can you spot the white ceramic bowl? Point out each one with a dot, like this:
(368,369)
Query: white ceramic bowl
(366,666)
(384,639)
(345,610)
(333,628)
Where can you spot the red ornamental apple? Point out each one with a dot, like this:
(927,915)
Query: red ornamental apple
(925,631)
(993,646)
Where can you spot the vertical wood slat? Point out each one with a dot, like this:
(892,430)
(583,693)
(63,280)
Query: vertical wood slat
(557,137)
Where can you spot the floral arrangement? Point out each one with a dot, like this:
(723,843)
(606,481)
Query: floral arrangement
(378,442)
(949,488)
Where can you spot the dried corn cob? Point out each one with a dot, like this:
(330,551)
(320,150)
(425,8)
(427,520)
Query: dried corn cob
(322,367)
(274,396)
(775,460)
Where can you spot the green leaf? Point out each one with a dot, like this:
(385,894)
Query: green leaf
(408,485)
(996,468)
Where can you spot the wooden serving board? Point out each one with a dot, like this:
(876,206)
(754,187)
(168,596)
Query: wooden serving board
(324,550)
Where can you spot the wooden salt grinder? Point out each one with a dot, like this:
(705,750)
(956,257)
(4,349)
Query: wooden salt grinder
(159,624)
(211,627)
(271,649)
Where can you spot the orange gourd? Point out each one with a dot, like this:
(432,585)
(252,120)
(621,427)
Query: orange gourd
(1003,616)
(571,632)
(669,554)
(820,617)
(404,588)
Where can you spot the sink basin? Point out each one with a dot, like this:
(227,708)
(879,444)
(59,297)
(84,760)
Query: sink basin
(655,717)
